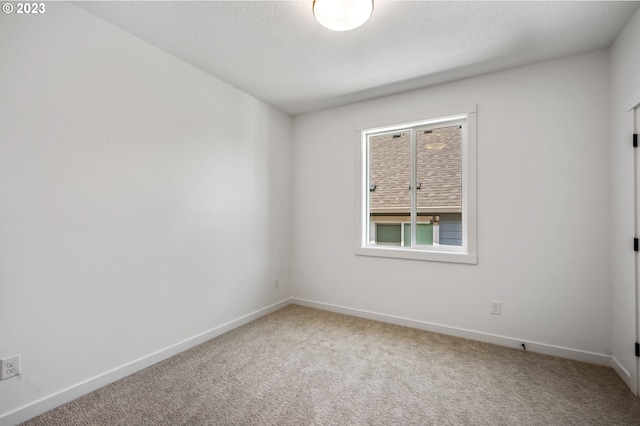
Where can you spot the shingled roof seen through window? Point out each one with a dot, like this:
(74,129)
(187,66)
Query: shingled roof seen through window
(439,170)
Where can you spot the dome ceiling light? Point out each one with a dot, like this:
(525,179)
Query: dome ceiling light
(342,15)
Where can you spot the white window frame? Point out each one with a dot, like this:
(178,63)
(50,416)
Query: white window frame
(467,253)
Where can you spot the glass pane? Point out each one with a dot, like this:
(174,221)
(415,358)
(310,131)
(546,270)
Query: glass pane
(389,180)
(439,176)
(388,234)
(424,236)
(406,231)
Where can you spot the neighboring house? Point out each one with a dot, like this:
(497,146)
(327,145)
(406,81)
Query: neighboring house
(439,188)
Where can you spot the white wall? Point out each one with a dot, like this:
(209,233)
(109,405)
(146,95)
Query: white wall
(543,213)
(624,91)
(142,203)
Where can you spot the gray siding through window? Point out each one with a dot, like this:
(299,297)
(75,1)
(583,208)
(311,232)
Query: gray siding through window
(451,229)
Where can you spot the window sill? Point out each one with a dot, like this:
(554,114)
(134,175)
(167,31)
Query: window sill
(415,254)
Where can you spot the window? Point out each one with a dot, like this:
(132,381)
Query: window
(417,187)
(399,234)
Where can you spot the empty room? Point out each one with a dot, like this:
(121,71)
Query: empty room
(322,212)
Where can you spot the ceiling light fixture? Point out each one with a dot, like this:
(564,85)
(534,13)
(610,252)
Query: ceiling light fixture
(342,15)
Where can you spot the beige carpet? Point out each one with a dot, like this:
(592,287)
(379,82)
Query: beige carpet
(301,366)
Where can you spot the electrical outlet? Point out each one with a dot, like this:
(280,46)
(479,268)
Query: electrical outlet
(276,283)
(495,308)
(10,367)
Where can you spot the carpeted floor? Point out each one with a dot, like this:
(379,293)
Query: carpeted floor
(302,366)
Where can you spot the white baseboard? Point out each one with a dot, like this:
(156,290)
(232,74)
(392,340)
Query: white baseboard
(624,374)
(69,394)
(542,348)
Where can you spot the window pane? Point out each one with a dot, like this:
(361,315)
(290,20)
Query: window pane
(388,234)
(389,180)
(424,235)
(451,229)
(439,170)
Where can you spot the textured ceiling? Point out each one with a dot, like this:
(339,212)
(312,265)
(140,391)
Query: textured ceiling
(275,51)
